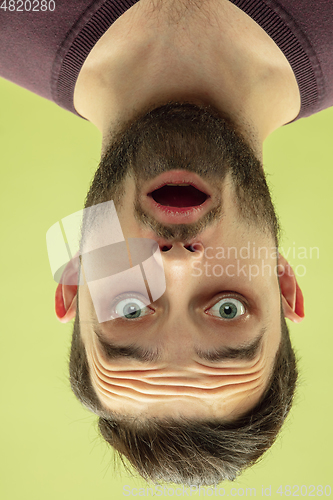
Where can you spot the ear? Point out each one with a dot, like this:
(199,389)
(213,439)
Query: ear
(65,296)
(292,297)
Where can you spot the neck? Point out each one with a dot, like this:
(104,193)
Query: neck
(214,55)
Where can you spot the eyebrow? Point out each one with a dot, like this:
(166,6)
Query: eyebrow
(114,351)
(245,351)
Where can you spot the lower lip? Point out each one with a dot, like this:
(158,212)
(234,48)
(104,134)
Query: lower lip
(178,177)
(177,215)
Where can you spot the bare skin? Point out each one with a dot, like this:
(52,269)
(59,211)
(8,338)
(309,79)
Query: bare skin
(214,55)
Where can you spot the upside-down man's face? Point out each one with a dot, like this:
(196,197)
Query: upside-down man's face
(182,176)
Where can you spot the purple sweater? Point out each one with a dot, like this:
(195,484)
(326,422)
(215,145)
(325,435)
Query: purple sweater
(44,51)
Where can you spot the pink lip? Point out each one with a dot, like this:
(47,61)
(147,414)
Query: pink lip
(179,177)
(177,215)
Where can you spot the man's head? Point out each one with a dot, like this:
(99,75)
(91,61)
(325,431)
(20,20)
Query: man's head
(210,348)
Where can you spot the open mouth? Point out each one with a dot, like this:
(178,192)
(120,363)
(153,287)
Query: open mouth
(178,195)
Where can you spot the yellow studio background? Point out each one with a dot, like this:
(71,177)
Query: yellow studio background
(50,448)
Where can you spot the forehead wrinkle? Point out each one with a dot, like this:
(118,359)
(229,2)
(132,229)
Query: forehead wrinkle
(154,387)
(211,382)
(231,394)
(138,400)
(160,378)
(167,375)
(159,373)
(195,368)
(136,391)
(144,406)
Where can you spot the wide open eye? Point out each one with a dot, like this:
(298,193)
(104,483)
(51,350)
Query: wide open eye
(129,307)
(227,308)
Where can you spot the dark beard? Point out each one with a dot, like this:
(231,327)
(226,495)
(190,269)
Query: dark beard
(193,138)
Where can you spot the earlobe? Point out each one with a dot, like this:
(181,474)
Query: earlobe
(292,297)
(65,302)
(66,292)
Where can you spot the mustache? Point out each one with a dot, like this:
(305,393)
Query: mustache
(182,233)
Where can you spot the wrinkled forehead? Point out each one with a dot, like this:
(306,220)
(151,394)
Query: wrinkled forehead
(226,391)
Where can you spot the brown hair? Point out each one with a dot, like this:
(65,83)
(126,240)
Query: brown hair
(192,451)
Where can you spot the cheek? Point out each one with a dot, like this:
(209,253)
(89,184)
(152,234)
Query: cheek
(128,222)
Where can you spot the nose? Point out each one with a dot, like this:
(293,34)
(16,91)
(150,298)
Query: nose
(178,259)
(181,250)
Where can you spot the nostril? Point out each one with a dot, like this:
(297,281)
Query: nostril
(166,248)
(189,248)
(195,247)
